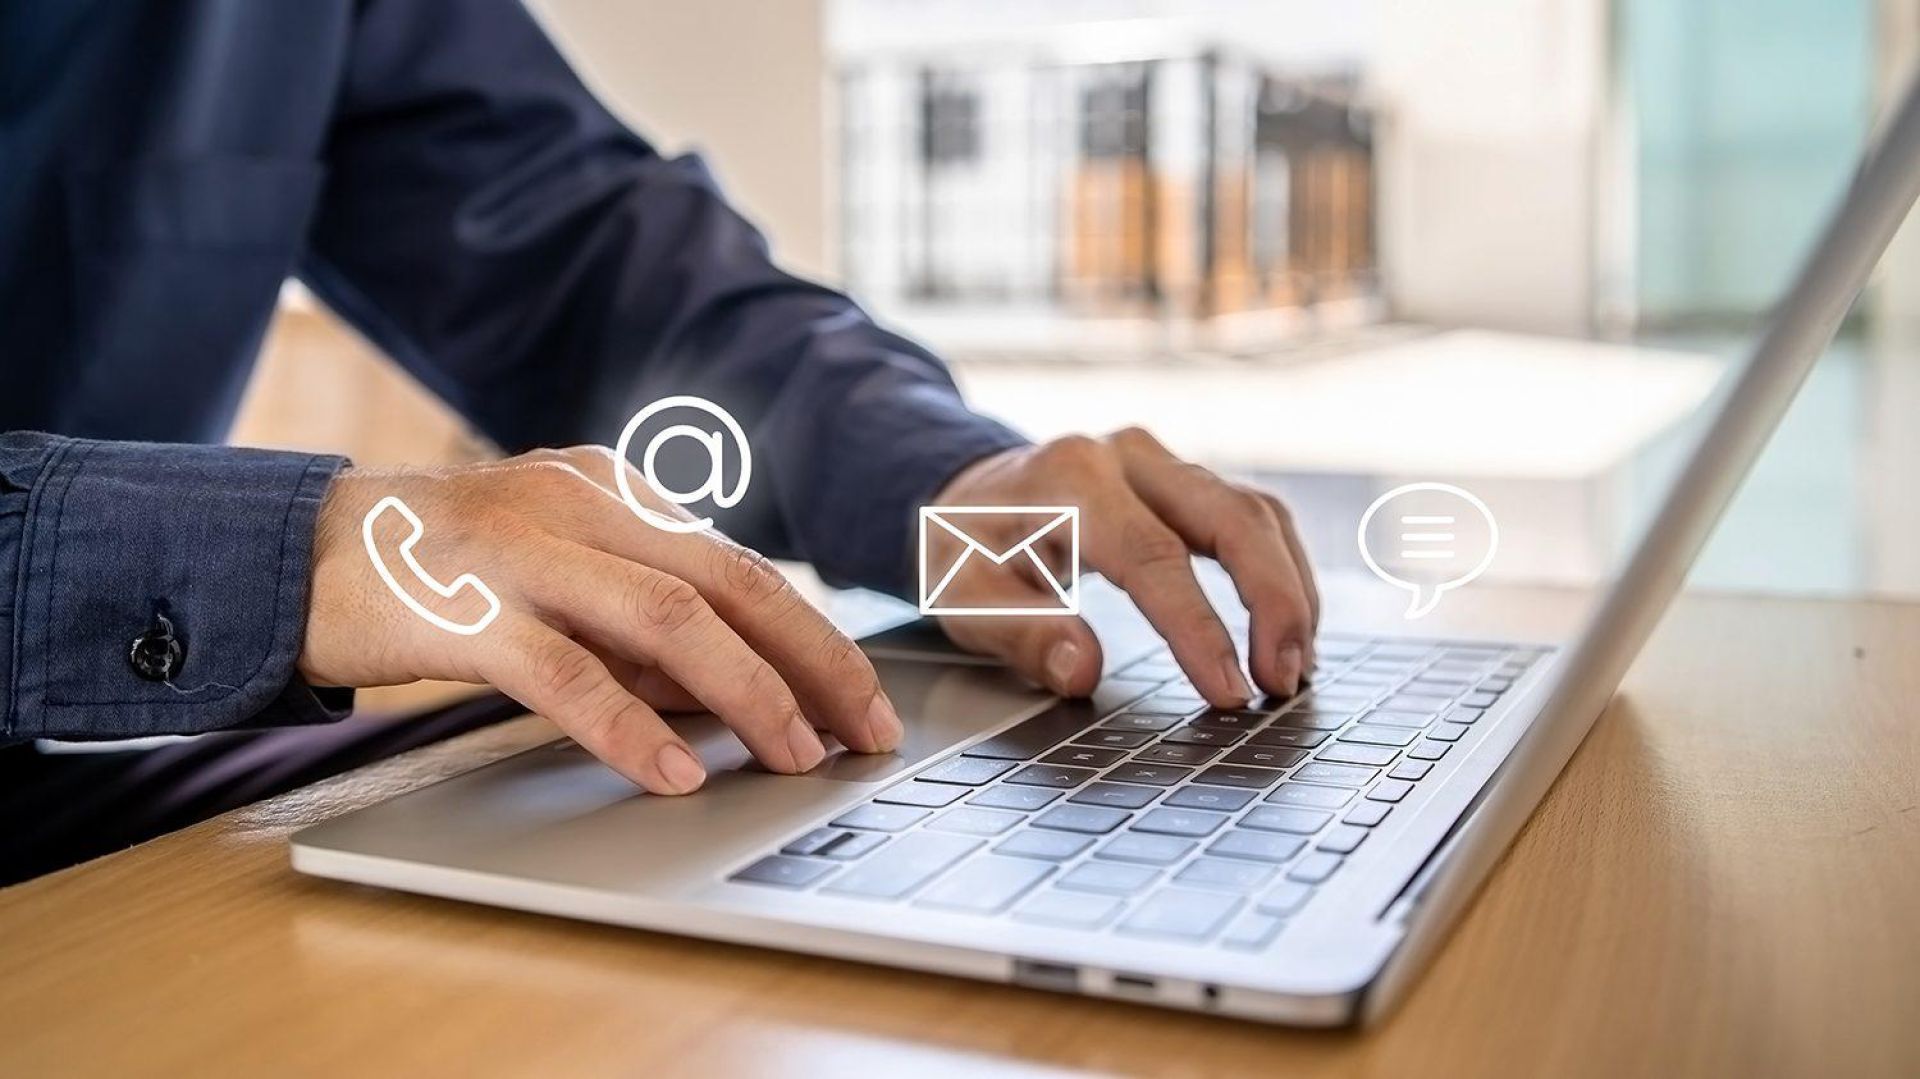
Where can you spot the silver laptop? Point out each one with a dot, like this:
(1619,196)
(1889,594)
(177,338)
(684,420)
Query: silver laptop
(1293,862)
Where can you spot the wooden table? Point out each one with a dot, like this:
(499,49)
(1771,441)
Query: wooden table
(1725,882)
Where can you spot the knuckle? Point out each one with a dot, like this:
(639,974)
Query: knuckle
(1151,544)
(838,653)
(564,671)
(748,574)
(664,603)
(1135,437)
(1076,452)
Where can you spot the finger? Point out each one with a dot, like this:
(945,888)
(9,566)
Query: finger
(649,616)
(1060,653)
(648,683)
(834,681)
(1147,559)
(1298,548)
(1240,529)
(557,678)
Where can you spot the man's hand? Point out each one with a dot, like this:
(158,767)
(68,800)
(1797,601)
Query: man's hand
(606,620)
(1144,513)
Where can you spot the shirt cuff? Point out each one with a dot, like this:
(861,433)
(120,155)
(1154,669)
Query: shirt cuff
(107,538)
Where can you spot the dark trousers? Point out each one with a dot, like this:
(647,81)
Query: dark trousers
(60,809)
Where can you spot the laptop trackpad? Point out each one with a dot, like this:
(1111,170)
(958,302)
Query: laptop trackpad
(941,705)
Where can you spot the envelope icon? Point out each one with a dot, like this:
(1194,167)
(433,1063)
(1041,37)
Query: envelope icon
(968,523)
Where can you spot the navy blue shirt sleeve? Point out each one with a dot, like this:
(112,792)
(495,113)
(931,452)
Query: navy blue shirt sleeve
(488,223)
(97,538)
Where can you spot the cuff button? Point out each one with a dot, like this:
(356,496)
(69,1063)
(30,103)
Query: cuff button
(157,654)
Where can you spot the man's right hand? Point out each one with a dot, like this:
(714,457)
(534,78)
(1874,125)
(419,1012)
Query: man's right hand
(606,621)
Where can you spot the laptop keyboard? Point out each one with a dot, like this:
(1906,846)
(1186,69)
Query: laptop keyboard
(1143,811)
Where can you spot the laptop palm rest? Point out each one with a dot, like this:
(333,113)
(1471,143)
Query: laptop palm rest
(557,814)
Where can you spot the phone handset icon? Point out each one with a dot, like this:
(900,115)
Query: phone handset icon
(448,591)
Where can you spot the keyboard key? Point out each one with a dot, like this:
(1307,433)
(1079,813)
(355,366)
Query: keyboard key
(1429,750)
(1464,715)
(1160,775)
(1352,754)
(1204,736)
(916,793)
(1117,795)
(1141,721)
(1342,774)
(1366,735)
(1265,756)
(1114,693)
(1176,754)
(1495,685)
(1308,796)
(1145,849)
(1165,704)
(1448,732)
(1233,720)
(1313,719)
(1287,736)
(1396,719)
(1315,867)
(1182,822)
(1031,737)
(1239,775)
(881,818)
(1367,814)
(1251,932)
(1051,775)
(968,820)
(1411,770)
(1389,790)
(815,841)
(1107,878)
(1109,738)
(1013,797)
(902,866)
(1342,839)
(1224,799)
(1093,820)
(1182,913)
(1284,898)
(985,885)
(1084,756)
(1230,876)
(968,771)
(1442,681)
(1335,700)
(1480,700)
(1286,818)
(1157,667)
(1069,909)
(783,871)
(1050,846)
(1258,846)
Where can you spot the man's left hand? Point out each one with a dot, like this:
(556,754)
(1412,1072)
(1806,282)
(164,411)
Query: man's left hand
(1144,514)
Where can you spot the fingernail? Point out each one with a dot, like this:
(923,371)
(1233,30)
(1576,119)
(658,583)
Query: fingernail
(1062,660)
(677,766)
(1236,681)
(1292,666)
(804,745)
(883,724)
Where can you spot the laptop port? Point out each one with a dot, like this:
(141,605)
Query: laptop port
(1137,984)
(1036,974)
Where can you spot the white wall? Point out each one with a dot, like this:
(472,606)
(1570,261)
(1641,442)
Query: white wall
(742,81)
(1492,111)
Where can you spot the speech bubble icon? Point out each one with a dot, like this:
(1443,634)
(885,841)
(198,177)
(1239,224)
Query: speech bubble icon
(1428,538)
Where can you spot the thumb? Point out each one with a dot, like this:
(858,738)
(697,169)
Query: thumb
(1059,653)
